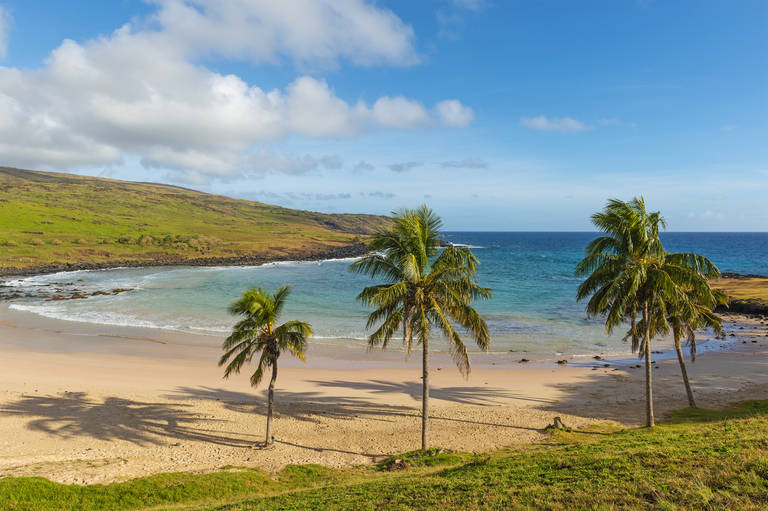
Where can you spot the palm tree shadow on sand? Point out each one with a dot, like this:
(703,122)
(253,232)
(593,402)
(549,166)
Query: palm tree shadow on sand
(311,406)
(75,414)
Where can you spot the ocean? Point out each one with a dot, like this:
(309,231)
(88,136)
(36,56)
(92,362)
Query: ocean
(533,310)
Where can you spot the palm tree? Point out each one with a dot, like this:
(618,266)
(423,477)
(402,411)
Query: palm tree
(629,273)
(694,312)
(256,335)
(424,288)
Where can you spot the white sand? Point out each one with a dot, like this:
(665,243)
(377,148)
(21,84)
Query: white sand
(85,403)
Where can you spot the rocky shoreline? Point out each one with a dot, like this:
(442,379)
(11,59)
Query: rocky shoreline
(355,250)
(752,308)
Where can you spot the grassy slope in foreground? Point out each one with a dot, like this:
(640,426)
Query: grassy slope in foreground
(49,218)
(697,460)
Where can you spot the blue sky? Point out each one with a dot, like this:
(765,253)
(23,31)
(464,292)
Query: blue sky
(502,115)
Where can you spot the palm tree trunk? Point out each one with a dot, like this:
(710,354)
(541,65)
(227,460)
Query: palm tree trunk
(687,383)
(270,403)
(424,393)
(648,368)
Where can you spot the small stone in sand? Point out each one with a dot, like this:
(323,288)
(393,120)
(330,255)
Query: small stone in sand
(524,360)
(562,362)
(597,357)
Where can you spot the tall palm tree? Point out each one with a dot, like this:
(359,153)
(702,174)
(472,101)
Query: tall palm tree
(256,334)
(424,288)
(628,273)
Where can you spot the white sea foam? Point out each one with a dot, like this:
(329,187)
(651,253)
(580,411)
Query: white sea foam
(110,318)
(463,245)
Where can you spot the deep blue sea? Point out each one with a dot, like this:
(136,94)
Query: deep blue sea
(533,310)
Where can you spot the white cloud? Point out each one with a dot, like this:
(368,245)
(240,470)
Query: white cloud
(400,112)
(562,124)
(609,121)
(5,27)
(203,166)
(728,127)
(98,102)
(310,32)
(453,113)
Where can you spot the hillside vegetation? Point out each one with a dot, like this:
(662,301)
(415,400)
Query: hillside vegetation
(50,218)
(699,459)
(746,294)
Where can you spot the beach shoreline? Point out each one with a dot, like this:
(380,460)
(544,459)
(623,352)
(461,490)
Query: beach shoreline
(85,404)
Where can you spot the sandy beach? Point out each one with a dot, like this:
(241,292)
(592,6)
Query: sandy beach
(84,403)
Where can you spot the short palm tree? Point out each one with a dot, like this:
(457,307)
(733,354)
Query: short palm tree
(424,288)
(692,313)
(628,273)
(256,335)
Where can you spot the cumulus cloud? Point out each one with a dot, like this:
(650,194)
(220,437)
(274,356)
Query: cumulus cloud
(94,103)
(400,112)
(309,32)
(453,113)
(561,124)
(466,163)
(221,164)
(5,26)
(405,166)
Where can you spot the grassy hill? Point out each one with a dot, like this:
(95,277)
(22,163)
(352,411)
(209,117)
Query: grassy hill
(48,219)
(747,294)
(698,459)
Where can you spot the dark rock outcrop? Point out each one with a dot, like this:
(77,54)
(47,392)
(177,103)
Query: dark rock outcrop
(355,250)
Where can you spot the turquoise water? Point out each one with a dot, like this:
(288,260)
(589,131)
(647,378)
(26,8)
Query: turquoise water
(533,310)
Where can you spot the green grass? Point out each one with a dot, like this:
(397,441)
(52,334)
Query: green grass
(745,288)
(50,218)
(698,459)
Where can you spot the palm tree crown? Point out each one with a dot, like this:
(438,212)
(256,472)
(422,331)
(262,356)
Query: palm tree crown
(424,287)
